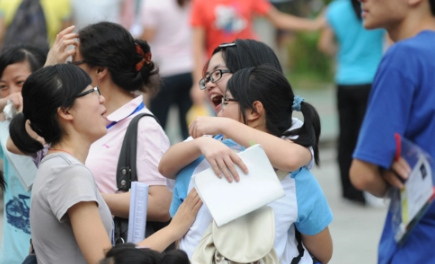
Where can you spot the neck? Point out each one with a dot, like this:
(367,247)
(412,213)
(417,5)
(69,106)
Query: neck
(77,148)
(411,26)
(115,97)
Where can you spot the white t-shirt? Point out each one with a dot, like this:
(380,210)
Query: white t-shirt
(172,44)
(304,205)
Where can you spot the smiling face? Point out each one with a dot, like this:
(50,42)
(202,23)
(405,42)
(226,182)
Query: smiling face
(386,14)
(88,112)
(215,91)
(13,78)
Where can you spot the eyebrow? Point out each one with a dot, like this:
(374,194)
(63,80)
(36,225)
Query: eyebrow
(215,67)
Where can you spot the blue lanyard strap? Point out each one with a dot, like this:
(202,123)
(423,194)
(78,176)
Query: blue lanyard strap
(140,107)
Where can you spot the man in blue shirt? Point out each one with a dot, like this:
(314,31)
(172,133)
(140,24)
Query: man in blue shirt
(402,101)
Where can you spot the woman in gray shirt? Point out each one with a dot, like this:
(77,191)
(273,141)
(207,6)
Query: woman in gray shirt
(70,222)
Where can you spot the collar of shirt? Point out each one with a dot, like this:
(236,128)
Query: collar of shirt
(125,110)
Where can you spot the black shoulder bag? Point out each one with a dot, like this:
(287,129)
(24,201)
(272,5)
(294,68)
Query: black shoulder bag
(125,174)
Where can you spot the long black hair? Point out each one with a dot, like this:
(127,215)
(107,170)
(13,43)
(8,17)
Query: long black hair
(244,53)
(356,5)
(15,54)
(269,86)
(129,254)
(44,92)
(107,44)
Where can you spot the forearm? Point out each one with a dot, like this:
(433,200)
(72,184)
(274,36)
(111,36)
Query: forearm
(366,176)
(198,53)
(283,154)
(319,245)
(177,157)
(289,22)
(160,240)
(158,204)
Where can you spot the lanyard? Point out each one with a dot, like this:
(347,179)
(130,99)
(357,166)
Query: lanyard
(140,107)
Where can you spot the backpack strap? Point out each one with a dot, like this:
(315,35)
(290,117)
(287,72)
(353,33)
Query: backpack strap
(126,171)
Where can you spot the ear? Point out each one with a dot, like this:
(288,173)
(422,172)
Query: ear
(65,114)
(102,72)
(252,115)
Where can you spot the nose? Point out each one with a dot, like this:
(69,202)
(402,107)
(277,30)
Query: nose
(102,99)
(16,89)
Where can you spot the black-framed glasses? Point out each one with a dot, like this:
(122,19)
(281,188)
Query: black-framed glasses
(94,90)
(76,62)
(213,77)
(225,101)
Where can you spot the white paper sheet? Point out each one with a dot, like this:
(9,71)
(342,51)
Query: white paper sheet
(138,212)
(228,201)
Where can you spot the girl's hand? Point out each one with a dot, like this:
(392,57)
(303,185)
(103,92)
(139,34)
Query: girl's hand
(398,173)
(186,214)
(221,158)
(206,125)
(17,101)
(58,52)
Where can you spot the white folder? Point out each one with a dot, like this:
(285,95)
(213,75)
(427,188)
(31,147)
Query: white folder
(229,201)
(138,212)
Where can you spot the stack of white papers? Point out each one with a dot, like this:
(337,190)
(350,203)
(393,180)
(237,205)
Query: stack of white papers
(229,201)
(138,212)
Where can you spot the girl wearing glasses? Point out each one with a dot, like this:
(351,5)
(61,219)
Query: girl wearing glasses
(260,100)
(120,66)
(70,221)
(65,110)
(16,64)
(182,160)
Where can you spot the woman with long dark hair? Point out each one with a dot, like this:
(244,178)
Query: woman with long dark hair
(358,52)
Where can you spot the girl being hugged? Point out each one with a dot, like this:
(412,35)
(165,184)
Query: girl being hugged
(260,101)
(65,110)
(184,159)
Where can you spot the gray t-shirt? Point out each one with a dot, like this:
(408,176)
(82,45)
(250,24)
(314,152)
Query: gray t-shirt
(61,182)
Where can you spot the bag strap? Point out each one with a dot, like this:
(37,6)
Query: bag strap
(127,171)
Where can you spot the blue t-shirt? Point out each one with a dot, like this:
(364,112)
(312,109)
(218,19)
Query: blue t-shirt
(183,177)
(16,224)
(403,100)
(359,50)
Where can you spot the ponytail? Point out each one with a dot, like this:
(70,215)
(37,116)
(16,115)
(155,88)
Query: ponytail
(309,133)
(22,140)
(148,73)
(269,86)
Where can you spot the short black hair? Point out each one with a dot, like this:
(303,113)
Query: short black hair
(44,92)
(269,86)
(36,57)
(247,53)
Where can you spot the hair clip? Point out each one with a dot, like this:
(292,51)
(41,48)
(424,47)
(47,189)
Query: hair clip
(226,45)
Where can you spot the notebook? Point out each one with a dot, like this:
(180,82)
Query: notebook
(138,212)
(228,201)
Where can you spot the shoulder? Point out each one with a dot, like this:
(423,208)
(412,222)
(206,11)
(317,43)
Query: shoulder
(337,6)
